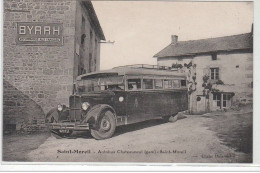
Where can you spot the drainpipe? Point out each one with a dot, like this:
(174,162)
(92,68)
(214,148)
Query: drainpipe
(221,101)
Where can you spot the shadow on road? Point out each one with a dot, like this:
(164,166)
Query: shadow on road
(137,126)
(127,128)
(121,129)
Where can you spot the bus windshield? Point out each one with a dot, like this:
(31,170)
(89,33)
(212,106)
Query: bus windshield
(100,84)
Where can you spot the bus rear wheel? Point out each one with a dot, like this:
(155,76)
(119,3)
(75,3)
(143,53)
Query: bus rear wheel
(107,126)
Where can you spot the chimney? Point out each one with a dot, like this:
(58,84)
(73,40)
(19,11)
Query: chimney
(174,39)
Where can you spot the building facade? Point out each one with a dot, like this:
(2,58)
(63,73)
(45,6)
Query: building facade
(219,70)
(46,45)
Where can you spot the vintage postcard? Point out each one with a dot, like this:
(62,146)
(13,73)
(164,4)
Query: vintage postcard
(128,81)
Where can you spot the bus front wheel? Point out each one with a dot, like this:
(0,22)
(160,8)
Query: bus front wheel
(107,126)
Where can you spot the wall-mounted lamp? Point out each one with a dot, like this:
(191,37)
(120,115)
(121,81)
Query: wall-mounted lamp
(110,42)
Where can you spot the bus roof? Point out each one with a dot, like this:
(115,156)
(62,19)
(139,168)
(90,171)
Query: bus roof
(139,69)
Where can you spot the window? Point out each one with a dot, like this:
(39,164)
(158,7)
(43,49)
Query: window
(158,83)
(81,67)
(134,84)
(114,87)
(148,84)
(176,83)
(226,98)
(111,83)
(83,30)
(96,44)
(214,73)
(90,41)
(222,101)
(91,35)
(83,36)
(183,83)
(90,62)
(214,57)
(100,84)
(87,85)
(95,64)
(81,70)
(217,97)
(167,84)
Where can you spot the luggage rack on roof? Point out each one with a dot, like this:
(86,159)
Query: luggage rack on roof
(147,66)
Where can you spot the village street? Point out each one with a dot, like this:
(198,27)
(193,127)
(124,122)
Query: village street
(81,76)
(189,140)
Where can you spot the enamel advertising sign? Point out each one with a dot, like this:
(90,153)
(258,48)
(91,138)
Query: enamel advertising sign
(40,34)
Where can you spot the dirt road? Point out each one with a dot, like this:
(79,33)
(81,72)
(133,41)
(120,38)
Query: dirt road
(185,141)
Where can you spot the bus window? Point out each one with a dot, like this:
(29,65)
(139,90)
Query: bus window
(183,83)
(167,84)
(134,84)
(100,84)
(148,84)
(114,87)
(176,83)
(158,83)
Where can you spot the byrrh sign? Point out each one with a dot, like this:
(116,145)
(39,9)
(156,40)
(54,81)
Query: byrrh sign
(45,34)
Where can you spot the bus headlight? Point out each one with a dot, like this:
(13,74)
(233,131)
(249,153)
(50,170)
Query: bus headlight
(85,105)
(60,107)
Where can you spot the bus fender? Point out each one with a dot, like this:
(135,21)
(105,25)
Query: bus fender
(56,115)
(94,115)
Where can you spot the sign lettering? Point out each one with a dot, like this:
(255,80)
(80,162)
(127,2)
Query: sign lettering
(36,33)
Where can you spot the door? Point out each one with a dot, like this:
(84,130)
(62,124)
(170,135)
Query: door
(201,104)
(226,100)
(216,101)
(221,100)
(134,101)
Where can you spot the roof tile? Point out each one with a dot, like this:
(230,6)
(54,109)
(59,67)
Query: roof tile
(227,43)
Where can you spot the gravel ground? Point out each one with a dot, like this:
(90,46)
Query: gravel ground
(188,140)
(234,130)
(17,146)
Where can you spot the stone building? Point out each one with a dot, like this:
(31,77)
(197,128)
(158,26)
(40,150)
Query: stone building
(46,45)
(219,70)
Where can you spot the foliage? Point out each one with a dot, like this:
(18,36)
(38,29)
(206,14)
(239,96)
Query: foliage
(214,90)
(191,77)
(208,86)
(178,66)
(220,82)
(188,65)
(205,78)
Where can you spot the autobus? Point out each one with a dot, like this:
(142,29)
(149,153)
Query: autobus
(103,100)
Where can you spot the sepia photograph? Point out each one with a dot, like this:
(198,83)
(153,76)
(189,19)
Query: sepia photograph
(127,81)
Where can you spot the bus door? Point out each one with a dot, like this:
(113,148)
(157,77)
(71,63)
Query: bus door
(134,102)
(150,98)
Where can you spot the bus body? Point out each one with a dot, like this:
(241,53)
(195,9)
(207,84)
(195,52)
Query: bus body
(124,95)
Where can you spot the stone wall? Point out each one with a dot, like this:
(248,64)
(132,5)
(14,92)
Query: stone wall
(36,78)
(90,46)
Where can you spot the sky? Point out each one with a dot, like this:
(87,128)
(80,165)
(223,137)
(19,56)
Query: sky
(140,29)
